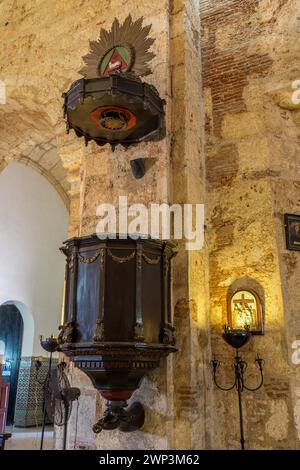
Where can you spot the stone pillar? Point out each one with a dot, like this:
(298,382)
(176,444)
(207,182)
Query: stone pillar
(192,391)
(104,176)
(175,396)
(71,152)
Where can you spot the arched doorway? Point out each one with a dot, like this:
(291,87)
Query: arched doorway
(11,337)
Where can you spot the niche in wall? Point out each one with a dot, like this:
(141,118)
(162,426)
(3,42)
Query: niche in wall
(245,305)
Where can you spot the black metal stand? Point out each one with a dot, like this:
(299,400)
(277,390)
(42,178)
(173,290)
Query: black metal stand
(66,426)
(44,402)
(240,367)
(50,345)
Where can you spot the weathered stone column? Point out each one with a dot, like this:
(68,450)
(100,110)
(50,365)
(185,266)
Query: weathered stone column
(192,391)
(104,176)
(175,396)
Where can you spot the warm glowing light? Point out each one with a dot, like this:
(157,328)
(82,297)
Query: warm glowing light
(62,320)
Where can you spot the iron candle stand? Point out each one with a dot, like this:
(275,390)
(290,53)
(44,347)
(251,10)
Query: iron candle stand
(235,339)
(50,345)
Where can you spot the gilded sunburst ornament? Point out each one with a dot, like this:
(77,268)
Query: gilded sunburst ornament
(123,49)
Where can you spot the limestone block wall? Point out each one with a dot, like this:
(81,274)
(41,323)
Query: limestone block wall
(193,396)
(251,157)
(106,175)
(175,397)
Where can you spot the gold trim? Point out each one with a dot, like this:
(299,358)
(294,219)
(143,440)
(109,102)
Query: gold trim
(139,259)
(89,260)
(71,262)
(63,303)
(152,261)
(118,259)
(166,265)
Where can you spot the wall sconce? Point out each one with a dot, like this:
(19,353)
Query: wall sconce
(237,339)
(111,104)
(244,310)
(118,319)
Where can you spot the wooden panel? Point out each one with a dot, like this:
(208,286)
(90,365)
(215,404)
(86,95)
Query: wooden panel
(152,301)
(88,283)
(119,317)
(4,394)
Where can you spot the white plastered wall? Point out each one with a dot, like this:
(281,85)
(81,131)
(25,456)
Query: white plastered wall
(33,224)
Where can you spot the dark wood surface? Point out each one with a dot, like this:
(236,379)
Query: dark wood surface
(11,332)
(129,293)
(3,438)
(4,400)
(118,321)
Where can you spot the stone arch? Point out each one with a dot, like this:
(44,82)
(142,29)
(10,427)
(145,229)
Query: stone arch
(44,159)
(246,282)
(28,136)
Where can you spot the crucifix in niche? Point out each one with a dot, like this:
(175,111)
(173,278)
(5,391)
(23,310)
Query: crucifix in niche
(244,311)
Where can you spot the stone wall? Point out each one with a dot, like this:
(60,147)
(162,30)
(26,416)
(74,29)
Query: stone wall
(252,148)
(175,396)
(193,397)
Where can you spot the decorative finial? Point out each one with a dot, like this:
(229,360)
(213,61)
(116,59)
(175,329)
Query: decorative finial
(125,48)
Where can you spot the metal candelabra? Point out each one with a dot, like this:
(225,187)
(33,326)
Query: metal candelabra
(237,339)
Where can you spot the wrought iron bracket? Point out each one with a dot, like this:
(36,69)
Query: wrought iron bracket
(240,367)
(119,415)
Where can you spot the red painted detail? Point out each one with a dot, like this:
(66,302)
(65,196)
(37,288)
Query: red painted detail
(4,394)
(116,63)
(95,116)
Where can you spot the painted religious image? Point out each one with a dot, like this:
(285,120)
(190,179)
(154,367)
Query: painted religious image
(292,231)
(245,311)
